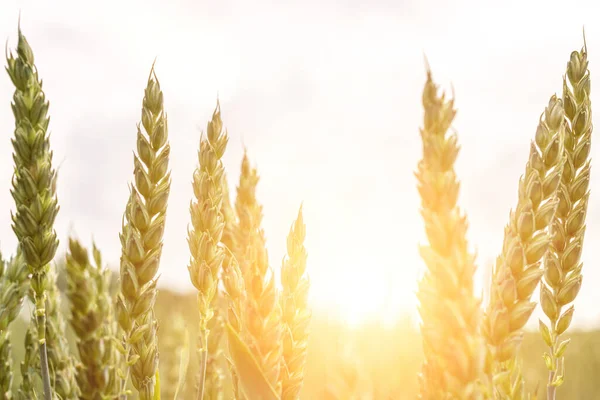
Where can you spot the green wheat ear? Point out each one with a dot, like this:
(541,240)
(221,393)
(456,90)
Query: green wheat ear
(14,284)
(34,185)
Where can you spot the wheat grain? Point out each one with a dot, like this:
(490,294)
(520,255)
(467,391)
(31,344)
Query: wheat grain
(93,321)
(526,239)
(450,312)
(207,229)
(14,283)
(33,183)
(562,266)
(295,312)
(141,241)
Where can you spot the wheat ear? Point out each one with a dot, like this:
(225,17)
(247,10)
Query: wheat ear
(562,272)
(213,386)
(60,361)
(526,240)
(206,231)
(26,389)
(14,284)
(141,242)
(450,312)
(296,314)
(262,308)
(93,322)
(33,184)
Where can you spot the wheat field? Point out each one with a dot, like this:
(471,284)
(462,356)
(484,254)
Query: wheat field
(351,255)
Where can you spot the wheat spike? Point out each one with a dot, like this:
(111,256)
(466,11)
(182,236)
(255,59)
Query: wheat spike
(562,266)
(450,312)
(213,385)
(34,189)
(14,284)
(93,321)
(141,242)
(26,389)
(262,308)
(296,314)
(61,363)
(206,232)
(526,239)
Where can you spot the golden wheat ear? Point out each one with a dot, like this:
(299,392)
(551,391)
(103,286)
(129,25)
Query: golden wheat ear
(296,314)
(450,311)
(562,268)
(527,238)
(142,242)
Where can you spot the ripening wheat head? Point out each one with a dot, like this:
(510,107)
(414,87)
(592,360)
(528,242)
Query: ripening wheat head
(526,239)
(14,283)
(61,363)
(141,241)
(34,189)
(213,385)
(454,352)
(93,321)
(205,235)
(295,312)
(262,308)
(562,274)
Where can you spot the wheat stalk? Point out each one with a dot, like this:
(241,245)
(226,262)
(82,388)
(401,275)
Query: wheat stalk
(206,232)
(450,312)
(562,272)
(262,309)
(526,239)
(295,312)
(141,241)
(14,284)
(93,321)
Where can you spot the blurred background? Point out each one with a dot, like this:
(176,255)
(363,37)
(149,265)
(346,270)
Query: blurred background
(325,96)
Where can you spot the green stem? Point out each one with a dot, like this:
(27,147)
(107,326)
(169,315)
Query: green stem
(41,327)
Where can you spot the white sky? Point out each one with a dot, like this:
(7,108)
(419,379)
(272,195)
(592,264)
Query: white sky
(326,96)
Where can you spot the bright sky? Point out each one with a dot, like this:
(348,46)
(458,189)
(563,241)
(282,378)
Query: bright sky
(326,97)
